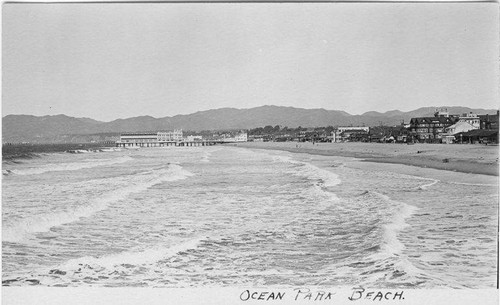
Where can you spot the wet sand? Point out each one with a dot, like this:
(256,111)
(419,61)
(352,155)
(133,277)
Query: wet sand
(465,158)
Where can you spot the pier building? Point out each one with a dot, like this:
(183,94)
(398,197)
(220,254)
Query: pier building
(138,138)
(151,139)
(169,136)
(161,139)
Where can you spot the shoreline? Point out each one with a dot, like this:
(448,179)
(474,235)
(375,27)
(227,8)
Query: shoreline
(29,151)
(464,158)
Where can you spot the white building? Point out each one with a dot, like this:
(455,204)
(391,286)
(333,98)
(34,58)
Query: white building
(470,118)
(194,138)
(242,137)
(170,136)
(150,138)
(458,127)
(442,112)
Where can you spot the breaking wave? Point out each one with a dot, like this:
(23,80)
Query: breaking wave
(106,269)
(71,166)
(206,157)
(472,184)
(387,263)
(133,258)
(392,245)
(425,186)
(323,177)
(135,183)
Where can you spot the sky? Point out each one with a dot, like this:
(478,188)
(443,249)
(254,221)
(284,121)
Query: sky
(110,61)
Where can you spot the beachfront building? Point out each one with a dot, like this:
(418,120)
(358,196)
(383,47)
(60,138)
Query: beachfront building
(478,136)
(242,137)
(194,138)
(471,118)
(351,133)
(388,134)
(431,129)
(137,139)
(256,138)
(170,136)
(447,128)
(489,121)
(150,139)
(307,134)
(461,126)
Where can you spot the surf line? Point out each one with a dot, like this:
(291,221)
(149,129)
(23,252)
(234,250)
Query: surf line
(425,186)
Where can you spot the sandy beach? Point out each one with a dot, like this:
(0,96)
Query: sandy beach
(477,159)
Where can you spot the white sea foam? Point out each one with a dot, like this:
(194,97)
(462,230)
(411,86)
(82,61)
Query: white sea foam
(435,181)
(284,159)
(136,183)
(285,220)
(71,166)
(307,170)
(322,178)
(389,264)
(111,149)
(472,184)
(136,258)
(206,157)
(319,195)
(425,186)
(392,245)
(79,151)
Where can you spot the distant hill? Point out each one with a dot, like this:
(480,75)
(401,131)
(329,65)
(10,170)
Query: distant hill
(18,128)
(29,128)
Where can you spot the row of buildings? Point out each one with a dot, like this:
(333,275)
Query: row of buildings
(446,128)
(440,128)
(172,138)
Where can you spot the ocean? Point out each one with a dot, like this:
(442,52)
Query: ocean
(229,216)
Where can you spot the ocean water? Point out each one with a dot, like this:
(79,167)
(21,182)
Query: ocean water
(230,216)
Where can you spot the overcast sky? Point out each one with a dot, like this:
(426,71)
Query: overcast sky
(109,61)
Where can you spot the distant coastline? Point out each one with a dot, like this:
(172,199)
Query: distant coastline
(47,129)
(29,151)
(474,159)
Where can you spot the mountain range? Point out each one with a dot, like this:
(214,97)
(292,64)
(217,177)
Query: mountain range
(29,128)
